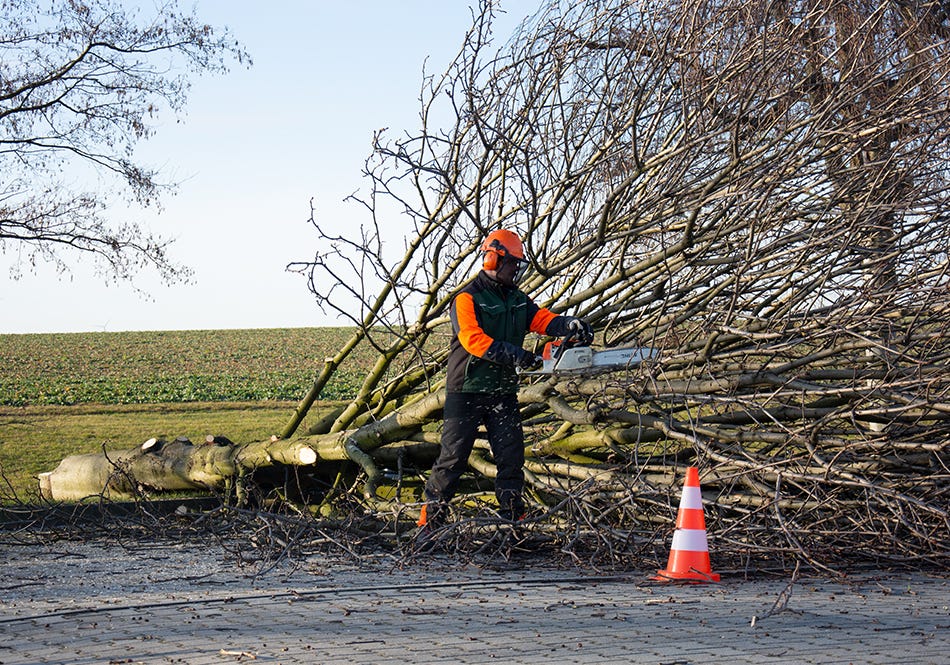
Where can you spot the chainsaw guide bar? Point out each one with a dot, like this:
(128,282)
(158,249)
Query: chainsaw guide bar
(581,359)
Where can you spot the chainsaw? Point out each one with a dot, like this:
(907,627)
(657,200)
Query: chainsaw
(572,357)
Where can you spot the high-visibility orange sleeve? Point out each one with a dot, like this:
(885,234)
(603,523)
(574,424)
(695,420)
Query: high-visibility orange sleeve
(539,323)
(473,339)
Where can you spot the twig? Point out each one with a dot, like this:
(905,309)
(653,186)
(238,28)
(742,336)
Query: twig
(781,603)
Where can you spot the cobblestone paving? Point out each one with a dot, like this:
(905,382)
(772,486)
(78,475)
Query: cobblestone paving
(78,604)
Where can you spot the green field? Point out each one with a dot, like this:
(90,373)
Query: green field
(171,366)
(62,394)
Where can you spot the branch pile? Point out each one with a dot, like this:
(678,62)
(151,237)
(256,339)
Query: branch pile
(759,192)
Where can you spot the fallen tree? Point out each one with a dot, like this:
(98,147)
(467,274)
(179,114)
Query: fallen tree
(758,191)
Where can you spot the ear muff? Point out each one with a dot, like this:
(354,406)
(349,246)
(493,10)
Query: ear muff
(493,255)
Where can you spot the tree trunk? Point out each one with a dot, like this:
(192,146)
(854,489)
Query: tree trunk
(168,466)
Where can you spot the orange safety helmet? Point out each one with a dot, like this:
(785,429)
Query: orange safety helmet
(500,244)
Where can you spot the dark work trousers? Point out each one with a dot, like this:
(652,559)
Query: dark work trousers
(463,414)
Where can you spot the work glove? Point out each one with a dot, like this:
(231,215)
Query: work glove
(529,361)
(580,330)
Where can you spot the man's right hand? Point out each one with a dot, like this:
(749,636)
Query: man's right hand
(529,361)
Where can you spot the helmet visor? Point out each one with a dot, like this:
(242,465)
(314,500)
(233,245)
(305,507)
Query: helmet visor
(520,270)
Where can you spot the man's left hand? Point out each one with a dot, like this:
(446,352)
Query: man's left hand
(581,331)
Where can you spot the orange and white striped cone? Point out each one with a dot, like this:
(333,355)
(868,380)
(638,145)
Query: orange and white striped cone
(689,554)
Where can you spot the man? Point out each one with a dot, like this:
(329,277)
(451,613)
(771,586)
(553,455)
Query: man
(490,318)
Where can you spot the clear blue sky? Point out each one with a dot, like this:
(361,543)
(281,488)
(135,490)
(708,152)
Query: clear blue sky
(255,147)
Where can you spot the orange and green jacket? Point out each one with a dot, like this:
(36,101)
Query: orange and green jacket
(490,322)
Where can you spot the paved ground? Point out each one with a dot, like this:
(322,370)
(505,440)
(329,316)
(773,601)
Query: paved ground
(88,603)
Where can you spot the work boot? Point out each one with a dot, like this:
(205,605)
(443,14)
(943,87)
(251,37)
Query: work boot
(511,506)
(513,512)
(431,521)
(517,534)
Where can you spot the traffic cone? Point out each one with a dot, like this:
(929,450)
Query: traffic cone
(689,554)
